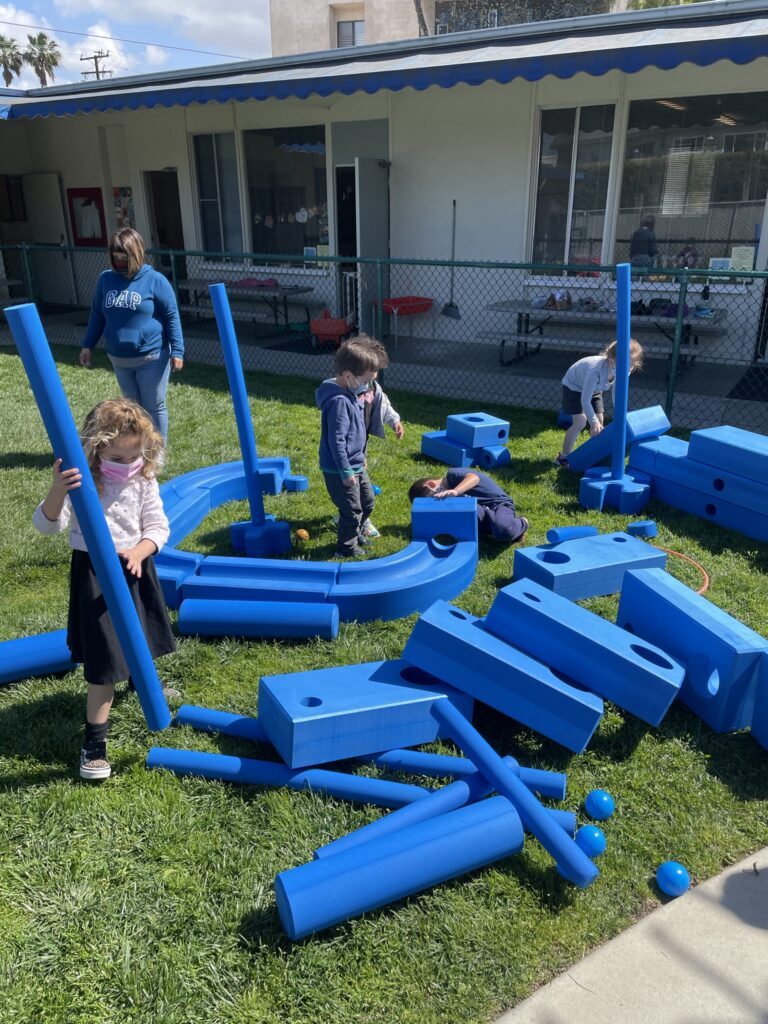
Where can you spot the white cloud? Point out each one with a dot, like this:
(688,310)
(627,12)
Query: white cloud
(155,56)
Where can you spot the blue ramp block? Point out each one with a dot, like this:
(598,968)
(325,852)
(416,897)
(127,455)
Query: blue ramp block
(493,457)
(315,896)
(634,674)
(587,566)
(715,510)
(436,445)
(641,424)
(452,645)
(720,653)
(477,429)
(739,451)
(760,713)
(44,655)
(334,713)
(671,462)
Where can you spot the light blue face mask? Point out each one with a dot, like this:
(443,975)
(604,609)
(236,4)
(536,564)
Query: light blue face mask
(360,389)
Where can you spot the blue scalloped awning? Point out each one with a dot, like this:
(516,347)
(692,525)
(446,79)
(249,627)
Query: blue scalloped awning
(703,42)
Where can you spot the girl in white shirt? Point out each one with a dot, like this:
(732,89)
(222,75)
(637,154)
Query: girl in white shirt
(123,449)
(583,387)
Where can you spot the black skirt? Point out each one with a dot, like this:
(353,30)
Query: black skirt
(91,635)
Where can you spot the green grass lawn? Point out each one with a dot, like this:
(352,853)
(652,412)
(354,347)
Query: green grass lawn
(149,898)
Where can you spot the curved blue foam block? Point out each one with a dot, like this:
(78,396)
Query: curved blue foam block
(558,534)
(378,588)
(643,528)
(572,861)
(324,892)
(599,804)
(633,673)
(332,713)
(258,619)
(52,402)
(247,771)
(440,766)
(227,722)
(296,482)
(43,655)
(493,457)
(673,878)
(477,429)
(641,425)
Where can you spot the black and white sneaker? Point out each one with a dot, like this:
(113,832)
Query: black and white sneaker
(94,764)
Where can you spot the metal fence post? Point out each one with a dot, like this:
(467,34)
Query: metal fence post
(675,354)
(379,301)
(174,276)
(28,278)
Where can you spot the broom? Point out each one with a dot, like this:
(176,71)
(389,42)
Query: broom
(450,309)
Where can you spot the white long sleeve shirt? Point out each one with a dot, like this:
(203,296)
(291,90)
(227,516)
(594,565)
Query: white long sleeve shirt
(133,510)
(588,376)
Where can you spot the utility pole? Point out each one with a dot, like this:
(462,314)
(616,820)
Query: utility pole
(98,72)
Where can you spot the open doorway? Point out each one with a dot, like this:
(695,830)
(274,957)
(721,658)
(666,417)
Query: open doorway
(166,232)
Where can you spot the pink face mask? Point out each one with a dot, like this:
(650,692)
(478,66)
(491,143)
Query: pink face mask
(121,472)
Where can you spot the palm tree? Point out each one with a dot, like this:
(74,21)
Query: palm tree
(43,55)
(11,60)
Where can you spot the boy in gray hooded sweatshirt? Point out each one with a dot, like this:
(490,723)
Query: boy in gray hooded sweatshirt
(343,441)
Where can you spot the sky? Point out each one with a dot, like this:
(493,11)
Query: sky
(232,27)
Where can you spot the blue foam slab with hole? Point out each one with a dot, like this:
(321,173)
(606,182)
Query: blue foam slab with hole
(733,449)
(492,457)
(719,652)
(587,566)
(672,462)
(477,429)
(444,517)
(713,509)
(452,645)
(632,672)
(760,712)
(436,445)
(330,714)
(46,654)
(641,424)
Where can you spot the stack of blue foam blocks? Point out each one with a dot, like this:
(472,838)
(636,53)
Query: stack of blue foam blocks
(469,439)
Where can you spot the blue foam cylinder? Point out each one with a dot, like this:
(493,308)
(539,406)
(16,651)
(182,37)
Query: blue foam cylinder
(243,419)
(557,534)
(621,391)
(258,618)
(324,892)
(52,402)
(226,722)
(420,762)
(248,771)
(643,528)
(29,656)
(571,860)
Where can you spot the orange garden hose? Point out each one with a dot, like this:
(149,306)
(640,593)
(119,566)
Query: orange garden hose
(704,574)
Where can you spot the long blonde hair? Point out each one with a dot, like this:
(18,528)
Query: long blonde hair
(120,417)
(635,354)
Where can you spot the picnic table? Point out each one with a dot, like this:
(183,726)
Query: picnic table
(275,297)
(6,283)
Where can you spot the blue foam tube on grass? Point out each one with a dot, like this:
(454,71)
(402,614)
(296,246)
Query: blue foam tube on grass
(29,335)
(226,722)
(46,654)
(268,619)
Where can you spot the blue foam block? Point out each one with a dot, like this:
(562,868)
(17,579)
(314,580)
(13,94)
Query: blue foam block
(760,712)
(559,534)
(714,510)
(43,655)
(173,568)
(492,457)
(628,494)
(634,674)
(564,420)
(324,892)
(452,645)
(641,424)
(671,462)
(731,448)
(477,429)
(261,539)
(438,517)
(720,653)
(248,771)
(275,619)
(587,566)
(333,713)
(295,482)
(643,528)
(436,445)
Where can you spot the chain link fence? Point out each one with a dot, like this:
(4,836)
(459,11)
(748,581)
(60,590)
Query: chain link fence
(478,332)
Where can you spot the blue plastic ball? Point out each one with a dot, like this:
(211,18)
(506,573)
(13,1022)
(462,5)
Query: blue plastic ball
(599,805)
(376,488)
(672,878)
(591,840)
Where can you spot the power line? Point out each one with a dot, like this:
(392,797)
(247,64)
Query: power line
(98,72)
(118,39)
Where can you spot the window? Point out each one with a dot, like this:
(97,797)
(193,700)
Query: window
(217,190)
(493,18)
(696,167)
(572,185)
(442,28)
(285,169)
(350,33)
(11,198)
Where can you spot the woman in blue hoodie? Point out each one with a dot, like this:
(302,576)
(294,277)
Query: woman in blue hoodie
(135,309)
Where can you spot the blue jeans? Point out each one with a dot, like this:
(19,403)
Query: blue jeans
(148,385)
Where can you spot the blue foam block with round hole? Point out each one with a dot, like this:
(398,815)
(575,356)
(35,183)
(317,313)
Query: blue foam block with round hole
(477,429)
(436,445)
(733,449)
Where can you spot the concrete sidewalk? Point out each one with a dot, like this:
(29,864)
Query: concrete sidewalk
(701,959)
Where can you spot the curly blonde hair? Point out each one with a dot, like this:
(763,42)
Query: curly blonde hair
(120,417)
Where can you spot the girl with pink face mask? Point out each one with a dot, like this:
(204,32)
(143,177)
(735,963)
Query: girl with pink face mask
(124,449)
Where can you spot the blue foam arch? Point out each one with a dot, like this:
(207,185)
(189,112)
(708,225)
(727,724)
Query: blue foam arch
(29,335)
(378,588)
